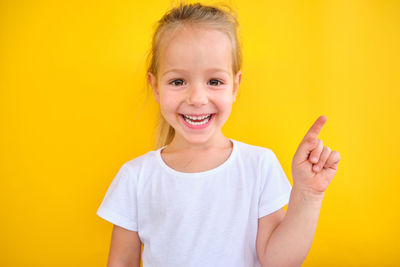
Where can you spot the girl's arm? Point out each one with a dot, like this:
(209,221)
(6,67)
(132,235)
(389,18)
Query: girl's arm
(313,168)
(125,248)
(291,241)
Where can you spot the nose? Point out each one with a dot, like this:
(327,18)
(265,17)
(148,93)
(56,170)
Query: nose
(197,95)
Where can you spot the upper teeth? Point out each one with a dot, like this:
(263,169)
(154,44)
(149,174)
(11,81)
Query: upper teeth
(196,117)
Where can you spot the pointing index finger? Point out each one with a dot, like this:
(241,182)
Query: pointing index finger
(316,127)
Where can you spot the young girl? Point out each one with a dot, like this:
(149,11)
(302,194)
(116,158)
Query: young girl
(202,199)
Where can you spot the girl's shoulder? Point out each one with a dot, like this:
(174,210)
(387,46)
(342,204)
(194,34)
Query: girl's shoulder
(253,151)
(146,160)
(257,155)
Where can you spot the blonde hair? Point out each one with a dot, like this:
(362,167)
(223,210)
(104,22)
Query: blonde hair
(221,18)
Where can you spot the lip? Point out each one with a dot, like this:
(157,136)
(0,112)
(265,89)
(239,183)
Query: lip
(197,127)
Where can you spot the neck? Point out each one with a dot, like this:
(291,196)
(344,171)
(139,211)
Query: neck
(180,143)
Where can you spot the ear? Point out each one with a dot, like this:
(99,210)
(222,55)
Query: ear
(153,83)
(237,81)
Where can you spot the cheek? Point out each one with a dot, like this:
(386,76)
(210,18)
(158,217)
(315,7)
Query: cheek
(225,103)
(168,102)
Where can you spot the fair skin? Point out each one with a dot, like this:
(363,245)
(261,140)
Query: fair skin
(283,239)
(125,248)
(313,168)
(195,78)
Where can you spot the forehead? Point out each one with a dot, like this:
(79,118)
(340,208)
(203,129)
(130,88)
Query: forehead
(197,48)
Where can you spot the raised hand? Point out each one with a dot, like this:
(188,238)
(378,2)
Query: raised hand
(313,164)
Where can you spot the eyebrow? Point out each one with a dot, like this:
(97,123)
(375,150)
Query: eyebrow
(209,70)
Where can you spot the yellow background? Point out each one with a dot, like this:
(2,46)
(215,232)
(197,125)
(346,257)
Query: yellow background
(73,110)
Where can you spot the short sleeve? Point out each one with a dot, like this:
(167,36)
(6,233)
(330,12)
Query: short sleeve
(119,205)
(275,187)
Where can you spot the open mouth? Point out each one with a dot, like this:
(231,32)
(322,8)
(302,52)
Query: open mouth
(197,120)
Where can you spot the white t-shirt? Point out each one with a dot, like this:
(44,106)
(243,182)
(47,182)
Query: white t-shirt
(201,219)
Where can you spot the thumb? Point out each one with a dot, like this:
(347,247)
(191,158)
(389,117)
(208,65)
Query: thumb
(303,151)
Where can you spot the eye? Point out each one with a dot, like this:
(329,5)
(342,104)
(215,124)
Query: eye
(177,82)
(215,82)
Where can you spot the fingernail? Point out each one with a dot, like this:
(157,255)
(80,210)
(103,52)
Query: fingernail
(314,159)
(316,168)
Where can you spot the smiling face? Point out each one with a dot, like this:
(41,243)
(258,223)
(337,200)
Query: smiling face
(195,84)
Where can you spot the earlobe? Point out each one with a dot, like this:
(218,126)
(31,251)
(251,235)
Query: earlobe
(153,83)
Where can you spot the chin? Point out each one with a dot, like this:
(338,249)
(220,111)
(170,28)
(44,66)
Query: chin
(197,140)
